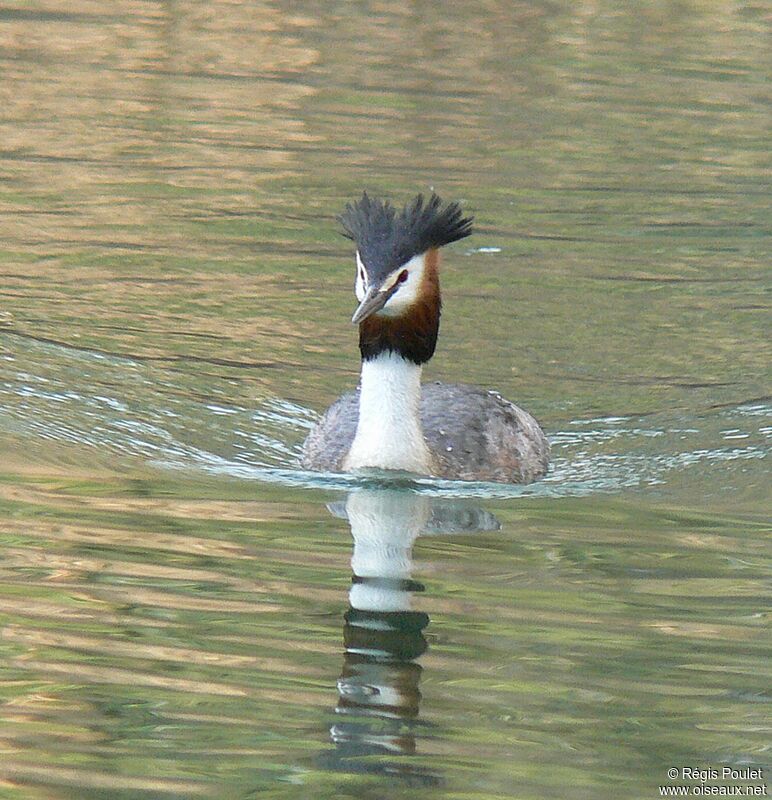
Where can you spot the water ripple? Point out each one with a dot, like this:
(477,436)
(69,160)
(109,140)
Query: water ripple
(151,418)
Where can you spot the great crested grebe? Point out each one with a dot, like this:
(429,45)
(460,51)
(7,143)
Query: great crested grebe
(391,421)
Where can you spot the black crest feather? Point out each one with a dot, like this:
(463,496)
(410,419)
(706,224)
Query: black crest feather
(387,238)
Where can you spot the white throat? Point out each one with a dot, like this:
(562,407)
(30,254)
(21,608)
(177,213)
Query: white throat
(389,434)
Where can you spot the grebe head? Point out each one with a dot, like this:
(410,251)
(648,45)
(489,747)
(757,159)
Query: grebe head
(397,280)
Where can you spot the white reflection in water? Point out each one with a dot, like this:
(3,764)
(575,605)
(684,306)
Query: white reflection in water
(379,698)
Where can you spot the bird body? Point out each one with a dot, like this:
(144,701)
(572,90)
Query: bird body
(392,421)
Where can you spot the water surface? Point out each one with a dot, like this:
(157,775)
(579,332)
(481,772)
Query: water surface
(183,612)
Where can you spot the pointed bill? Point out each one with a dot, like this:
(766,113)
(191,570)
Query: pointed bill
(373,301)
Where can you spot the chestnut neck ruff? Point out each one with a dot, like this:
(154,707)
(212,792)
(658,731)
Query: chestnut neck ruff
(413,335)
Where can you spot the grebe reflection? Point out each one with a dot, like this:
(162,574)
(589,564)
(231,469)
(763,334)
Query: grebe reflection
(378,689)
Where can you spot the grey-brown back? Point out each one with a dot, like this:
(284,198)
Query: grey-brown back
(472,433)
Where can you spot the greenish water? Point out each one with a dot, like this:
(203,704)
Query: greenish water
(183,612)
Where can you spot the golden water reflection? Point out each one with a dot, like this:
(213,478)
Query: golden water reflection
(163,635)
(174,306)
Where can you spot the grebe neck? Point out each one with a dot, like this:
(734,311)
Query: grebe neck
(389,433)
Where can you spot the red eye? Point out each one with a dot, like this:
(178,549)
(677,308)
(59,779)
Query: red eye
(402,276)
